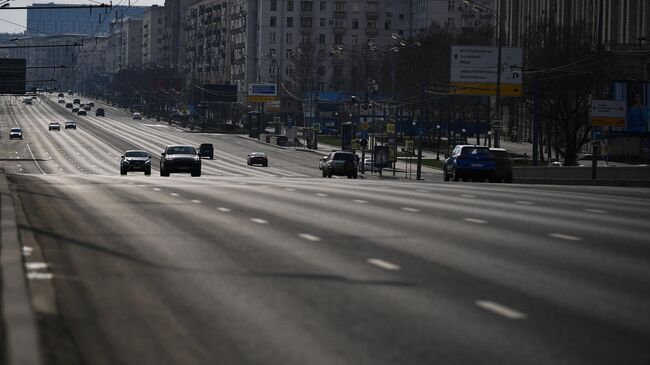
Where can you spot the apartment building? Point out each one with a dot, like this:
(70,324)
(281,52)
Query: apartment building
(69,20)
(153,27)
(455,15)
(128,35)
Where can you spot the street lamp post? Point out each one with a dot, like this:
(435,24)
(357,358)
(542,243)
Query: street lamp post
(438,144)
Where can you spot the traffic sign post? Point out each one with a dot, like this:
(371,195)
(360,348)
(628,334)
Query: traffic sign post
(474,70)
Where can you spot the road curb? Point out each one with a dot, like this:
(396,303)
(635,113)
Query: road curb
(20,336)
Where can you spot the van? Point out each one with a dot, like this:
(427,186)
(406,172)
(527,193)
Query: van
(206,150)
(99,112)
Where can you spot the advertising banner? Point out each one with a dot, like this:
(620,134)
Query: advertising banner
(636,97)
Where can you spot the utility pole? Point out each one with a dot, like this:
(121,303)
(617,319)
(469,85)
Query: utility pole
(421,121)
(497,138)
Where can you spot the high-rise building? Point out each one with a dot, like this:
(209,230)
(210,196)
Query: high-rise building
(455,15)
(79,21)
(128,35)
(153,27)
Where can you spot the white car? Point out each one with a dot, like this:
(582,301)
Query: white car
(54,126)
(16,133)
(137,116)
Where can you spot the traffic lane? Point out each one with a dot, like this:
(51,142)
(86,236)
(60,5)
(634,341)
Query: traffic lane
(603,325)
(277,331)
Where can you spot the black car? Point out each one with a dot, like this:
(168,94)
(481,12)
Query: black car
(206,150)
(70,125)
(257,158)
(99,112)
(68,105)
(180,159)
(340,163)
(503,170)
(135,161)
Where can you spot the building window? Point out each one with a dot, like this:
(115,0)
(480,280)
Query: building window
(323,21)
(401,16)
(306,39)
(321,38)
(305,22)
(272,70)
(372,7)
(289,21)
(272,53)
(272,37)
(372,24)
(321,70)
(339,6)
(323,6)
(451,6)
(339,23)
(355,7)
(289,38)
(338,39)
(355,39)
(387,25)
(306,5)
(389,14)
(451,23)
(289,5)
(273,22)
(274,5)
(289,53)
(288,71)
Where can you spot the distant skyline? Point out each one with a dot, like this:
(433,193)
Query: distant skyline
(14,21)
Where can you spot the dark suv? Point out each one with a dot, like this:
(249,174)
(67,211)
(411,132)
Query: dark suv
(503,165)
(340,163)
(99,112)
(135,161)
(469,162)
(180,159)
(206,150)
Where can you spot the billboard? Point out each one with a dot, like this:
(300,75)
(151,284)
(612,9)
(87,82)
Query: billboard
(636,96)
(474,70)
(608,113)
(12,76)
(262,92)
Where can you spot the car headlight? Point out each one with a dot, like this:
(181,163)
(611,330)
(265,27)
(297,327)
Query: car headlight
(147,162)
(169,158)
(197,158)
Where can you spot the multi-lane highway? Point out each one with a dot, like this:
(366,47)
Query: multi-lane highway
(252,265)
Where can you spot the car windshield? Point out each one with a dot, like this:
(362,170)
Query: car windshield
(15,129)
(136,154)
(344,157)
(475,151)
(181,150)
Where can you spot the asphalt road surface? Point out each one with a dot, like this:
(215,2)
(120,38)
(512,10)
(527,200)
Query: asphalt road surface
(252,265)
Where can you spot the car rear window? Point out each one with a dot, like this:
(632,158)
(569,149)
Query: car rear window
(344,157)
(475,151)
(181,150)
(500,154)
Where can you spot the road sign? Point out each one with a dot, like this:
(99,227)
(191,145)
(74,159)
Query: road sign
(597,134)
(262,92)
(316,127)
(390,128)
(408,146)
(474,70)
(608,113)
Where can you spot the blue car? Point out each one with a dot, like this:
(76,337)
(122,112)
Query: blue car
(470,162)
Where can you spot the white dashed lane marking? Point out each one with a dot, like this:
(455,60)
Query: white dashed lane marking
(222,209)
(383,264)
(524,202)
(156,189)
(35,265)
(360,201)
(501,310)
(195,201)
(321,194)
(474,220)
(290,189)
(259,221)
(598,211)
(309,237)
(467,196)
(174,194)
(565,237)
(412,210)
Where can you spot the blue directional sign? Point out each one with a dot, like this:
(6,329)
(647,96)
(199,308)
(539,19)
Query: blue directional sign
(262,90)
(597,134)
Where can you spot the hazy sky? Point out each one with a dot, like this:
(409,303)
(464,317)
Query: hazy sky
(8,17)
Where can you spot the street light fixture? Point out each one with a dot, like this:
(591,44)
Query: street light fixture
(438,144)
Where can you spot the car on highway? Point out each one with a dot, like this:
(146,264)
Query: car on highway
(321,162)
(469,162)
(99,112)
(137,116)
(27,101)
(70,125)
(503,165)
(75,109)
(54,126)
(340,163)
(69,106)
(81,112)
(135,160)
(86,106)
(61,95)
(206,150)
(91,103)
(180,158)
(61,101)
(76,101)
(16,133)
(257,158)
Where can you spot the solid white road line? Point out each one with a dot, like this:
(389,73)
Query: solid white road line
(500,309)
(599,211)
(565,237)
(259,221)
(474,220)
(383,264)
(412,210)
(309,237)
(222,209)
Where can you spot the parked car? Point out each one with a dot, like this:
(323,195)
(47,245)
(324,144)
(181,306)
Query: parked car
(54,126)
(137,116)
(206,150)
(70,125)
(469,161)
(257,158)
(16,133)
(503,163)
(135,160)
(178,158)
(340,163)
(99,112)
(68,105)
